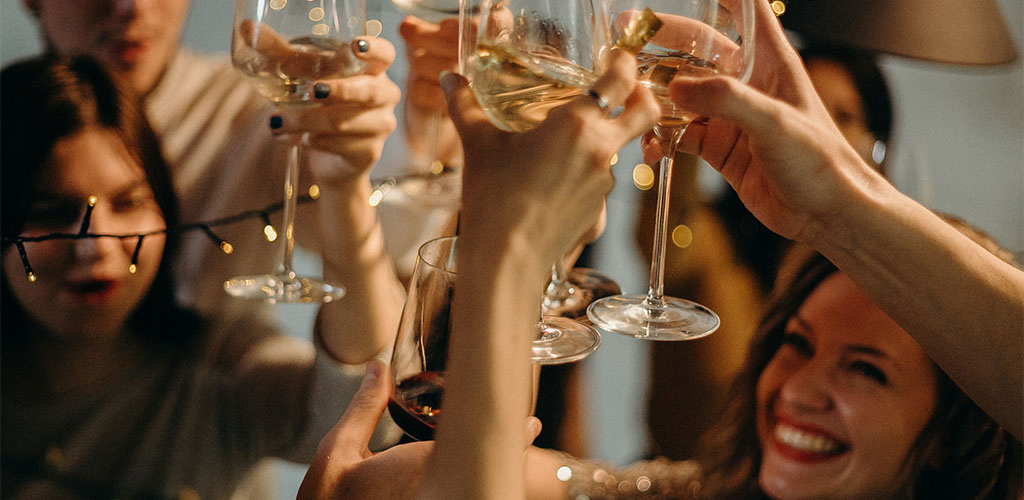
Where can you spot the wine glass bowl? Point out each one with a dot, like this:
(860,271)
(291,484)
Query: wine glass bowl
(284,47)
(531,56)
(697,38)
(420,356)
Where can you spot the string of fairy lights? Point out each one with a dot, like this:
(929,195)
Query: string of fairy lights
(206,227)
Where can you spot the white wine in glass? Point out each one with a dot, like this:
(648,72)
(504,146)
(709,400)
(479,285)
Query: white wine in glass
(284,48)
(693,38)
(529,57)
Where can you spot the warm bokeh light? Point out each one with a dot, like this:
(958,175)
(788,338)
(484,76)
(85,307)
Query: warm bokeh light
(615,159)
(226,247)
(269,232)
(778,7)
(314,192)
(643,177)
(682,236)
(374,28)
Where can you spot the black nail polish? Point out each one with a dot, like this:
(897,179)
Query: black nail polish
(321,90)
(275,122)
(363,45)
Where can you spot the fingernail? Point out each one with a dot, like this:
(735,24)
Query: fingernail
(363,46)
(321,90)
(276,122)
(374,369)
(447,81)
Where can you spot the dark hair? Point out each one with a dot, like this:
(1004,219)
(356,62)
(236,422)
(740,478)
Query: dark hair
(48,98)
(867,77)
(960,454)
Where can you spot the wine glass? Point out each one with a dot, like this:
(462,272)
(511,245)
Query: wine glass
(432,182)
(529,57)
(284,47)
(420,356)
(683,37)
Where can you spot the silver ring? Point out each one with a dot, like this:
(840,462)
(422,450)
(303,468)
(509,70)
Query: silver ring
(603,104)
(599,99)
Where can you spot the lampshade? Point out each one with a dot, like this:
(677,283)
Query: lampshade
(946,31)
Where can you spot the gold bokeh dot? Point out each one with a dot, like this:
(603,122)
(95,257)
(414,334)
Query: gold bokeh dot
(314,191)
(226,247)
(133,268)
(374,28)
(278,4)
(31,277)
(643,177)
(376,197)
(615,159)
(92,201)
(269,232)
(316,14)
(778,7)
(682,236)
(321,29)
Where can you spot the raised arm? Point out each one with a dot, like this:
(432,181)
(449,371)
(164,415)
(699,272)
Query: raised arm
(775,144)
(347,133)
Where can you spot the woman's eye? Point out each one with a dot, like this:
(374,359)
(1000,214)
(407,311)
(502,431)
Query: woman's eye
(870,371)
(133,201)
(53,216)
(797,342)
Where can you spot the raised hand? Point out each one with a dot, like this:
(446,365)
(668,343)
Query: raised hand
(356,115)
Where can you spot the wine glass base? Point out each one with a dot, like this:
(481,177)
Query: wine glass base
(283,288)
(587,286)
(562,340)
(637,316)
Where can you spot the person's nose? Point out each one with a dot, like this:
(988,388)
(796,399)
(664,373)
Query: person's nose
(808,388)
(91,249)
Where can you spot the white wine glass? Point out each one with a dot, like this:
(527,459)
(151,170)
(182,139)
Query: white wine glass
(683,37)
(284,47)
(529,57)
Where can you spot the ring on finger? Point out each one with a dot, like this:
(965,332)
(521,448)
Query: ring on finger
(604,105)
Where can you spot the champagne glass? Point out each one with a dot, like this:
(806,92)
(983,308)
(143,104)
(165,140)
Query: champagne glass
(529,57)
(683,37)
(284,47)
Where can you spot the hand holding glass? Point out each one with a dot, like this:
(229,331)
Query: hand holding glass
(284,47)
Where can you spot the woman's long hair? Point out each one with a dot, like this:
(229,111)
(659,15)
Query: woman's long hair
(49,98)
(961,454)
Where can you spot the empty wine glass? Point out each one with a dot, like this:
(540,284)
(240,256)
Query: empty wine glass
(284,47)
(683,37)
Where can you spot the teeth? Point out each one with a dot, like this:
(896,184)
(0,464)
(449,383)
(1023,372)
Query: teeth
(804,441)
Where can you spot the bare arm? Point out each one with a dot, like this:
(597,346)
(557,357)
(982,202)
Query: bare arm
(774,143)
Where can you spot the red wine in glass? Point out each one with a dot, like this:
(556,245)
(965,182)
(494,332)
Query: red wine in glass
(415,404)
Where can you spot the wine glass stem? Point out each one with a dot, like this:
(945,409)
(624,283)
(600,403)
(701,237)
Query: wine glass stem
(669,137)
(559,290)
(291,185)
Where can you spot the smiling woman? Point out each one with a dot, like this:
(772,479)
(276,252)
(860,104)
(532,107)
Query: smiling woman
(837,401)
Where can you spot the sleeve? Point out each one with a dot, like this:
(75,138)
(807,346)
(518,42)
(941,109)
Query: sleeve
(280,395)
(648,480)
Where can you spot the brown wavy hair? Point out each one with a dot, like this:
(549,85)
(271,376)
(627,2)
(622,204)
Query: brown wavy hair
(961,454)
